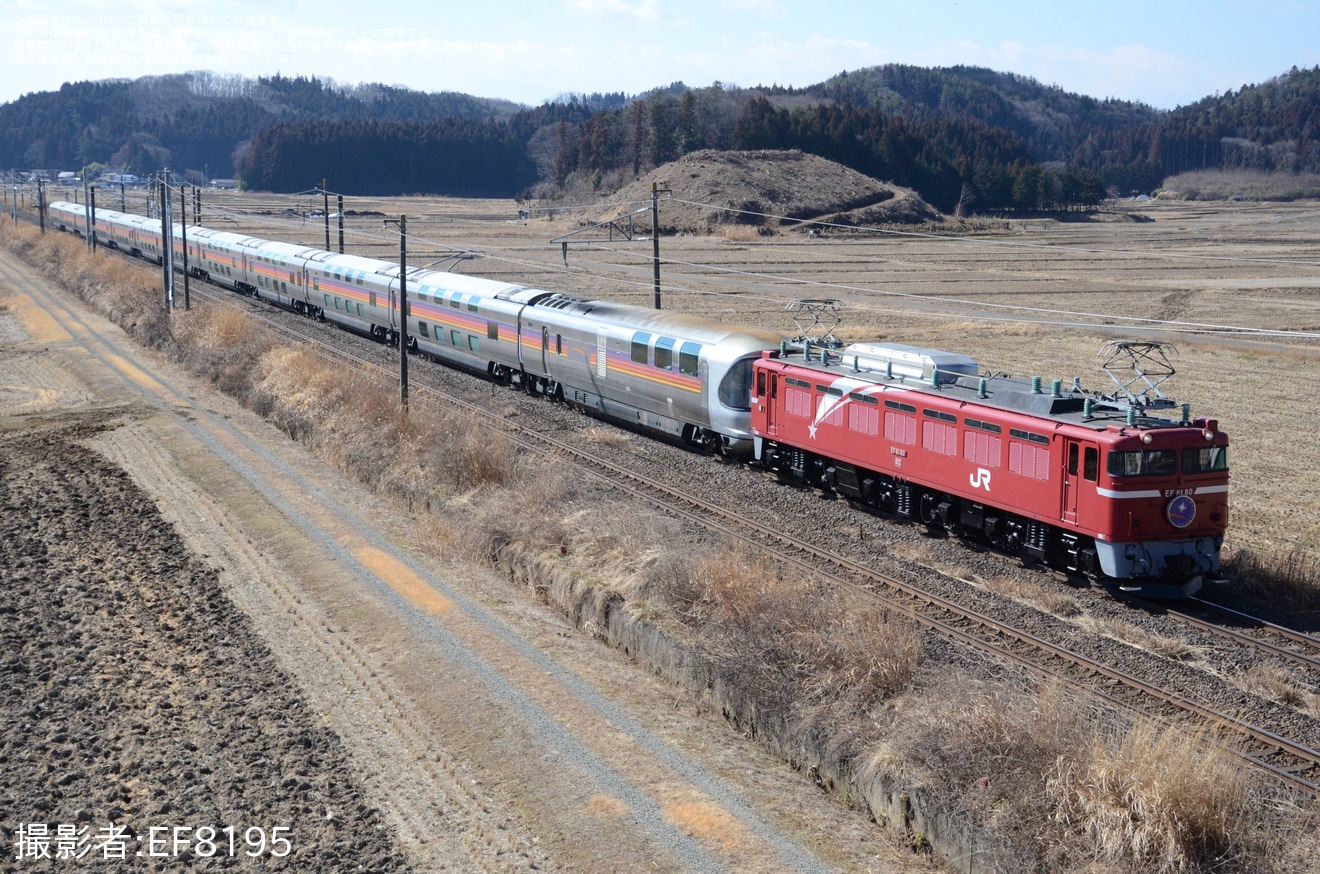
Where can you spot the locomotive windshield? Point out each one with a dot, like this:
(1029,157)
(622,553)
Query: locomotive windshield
(1205,460)
(1145,462)
(736,387)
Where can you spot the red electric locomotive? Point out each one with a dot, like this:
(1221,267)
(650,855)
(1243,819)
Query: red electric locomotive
(1093,483)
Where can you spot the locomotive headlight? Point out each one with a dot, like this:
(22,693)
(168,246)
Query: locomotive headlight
(1208,435)
(1148,438)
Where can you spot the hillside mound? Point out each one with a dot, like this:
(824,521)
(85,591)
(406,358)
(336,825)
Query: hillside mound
(767,189)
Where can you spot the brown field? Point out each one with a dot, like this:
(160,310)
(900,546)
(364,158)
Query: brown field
(1033,297)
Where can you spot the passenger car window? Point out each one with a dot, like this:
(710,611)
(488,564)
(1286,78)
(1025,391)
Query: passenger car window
(689,360)
(640,342)
(664,353)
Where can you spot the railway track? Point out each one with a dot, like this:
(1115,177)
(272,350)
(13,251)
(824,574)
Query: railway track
(1279,641)
(1296,765)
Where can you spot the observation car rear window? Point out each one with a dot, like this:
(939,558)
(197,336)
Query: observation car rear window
(1143,462)
(736,387)
(1205,459)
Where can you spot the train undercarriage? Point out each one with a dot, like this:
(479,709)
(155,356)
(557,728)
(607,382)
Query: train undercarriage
(1031,540)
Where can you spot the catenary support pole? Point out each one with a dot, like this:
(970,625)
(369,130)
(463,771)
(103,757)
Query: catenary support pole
(403,310)
(183,225)
(655,239)
(165,262)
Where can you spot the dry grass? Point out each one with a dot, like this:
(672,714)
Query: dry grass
(1035,594)
(1276,684)
(805,651)
(606,435)
(1134,635)
(1286,579)
(1161,800)
(735,233)
(1069,791)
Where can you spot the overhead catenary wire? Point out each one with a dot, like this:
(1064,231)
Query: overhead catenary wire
(1000,312)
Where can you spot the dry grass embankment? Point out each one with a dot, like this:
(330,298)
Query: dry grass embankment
(1062,785)
(1243,185)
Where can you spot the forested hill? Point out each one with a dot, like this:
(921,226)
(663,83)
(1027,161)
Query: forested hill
(197,120)
(963,137)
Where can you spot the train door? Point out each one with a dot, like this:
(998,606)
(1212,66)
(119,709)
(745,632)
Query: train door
(767,391)
(545,348)
(1081,472)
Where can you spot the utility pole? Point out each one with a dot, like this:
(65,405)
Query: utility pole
(655,239)
(183,208)
(91,211)
(123,205)
(341,223)
(403,311)
(87,200)
(166,246)
(325,211)
(403,308)
(41,203)
(197,205)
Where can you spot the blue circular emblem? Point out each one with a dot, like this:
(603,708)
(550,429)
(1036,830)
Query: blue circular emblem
(1181,511)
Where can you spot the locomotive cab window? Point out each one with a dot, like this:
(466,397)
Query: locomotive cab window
(1144,462)
(1091,464)
(1205,459)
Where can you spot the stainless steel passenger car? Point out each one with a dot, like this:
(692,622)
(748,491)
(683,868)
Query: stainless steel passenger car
(686,377)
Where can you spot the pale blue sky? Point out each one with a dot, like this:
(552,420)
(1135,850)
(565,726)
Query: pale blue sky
(1165,54)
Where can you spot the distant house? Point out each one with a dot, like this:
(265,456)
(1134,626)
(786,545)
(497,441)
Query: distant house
(224,183)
